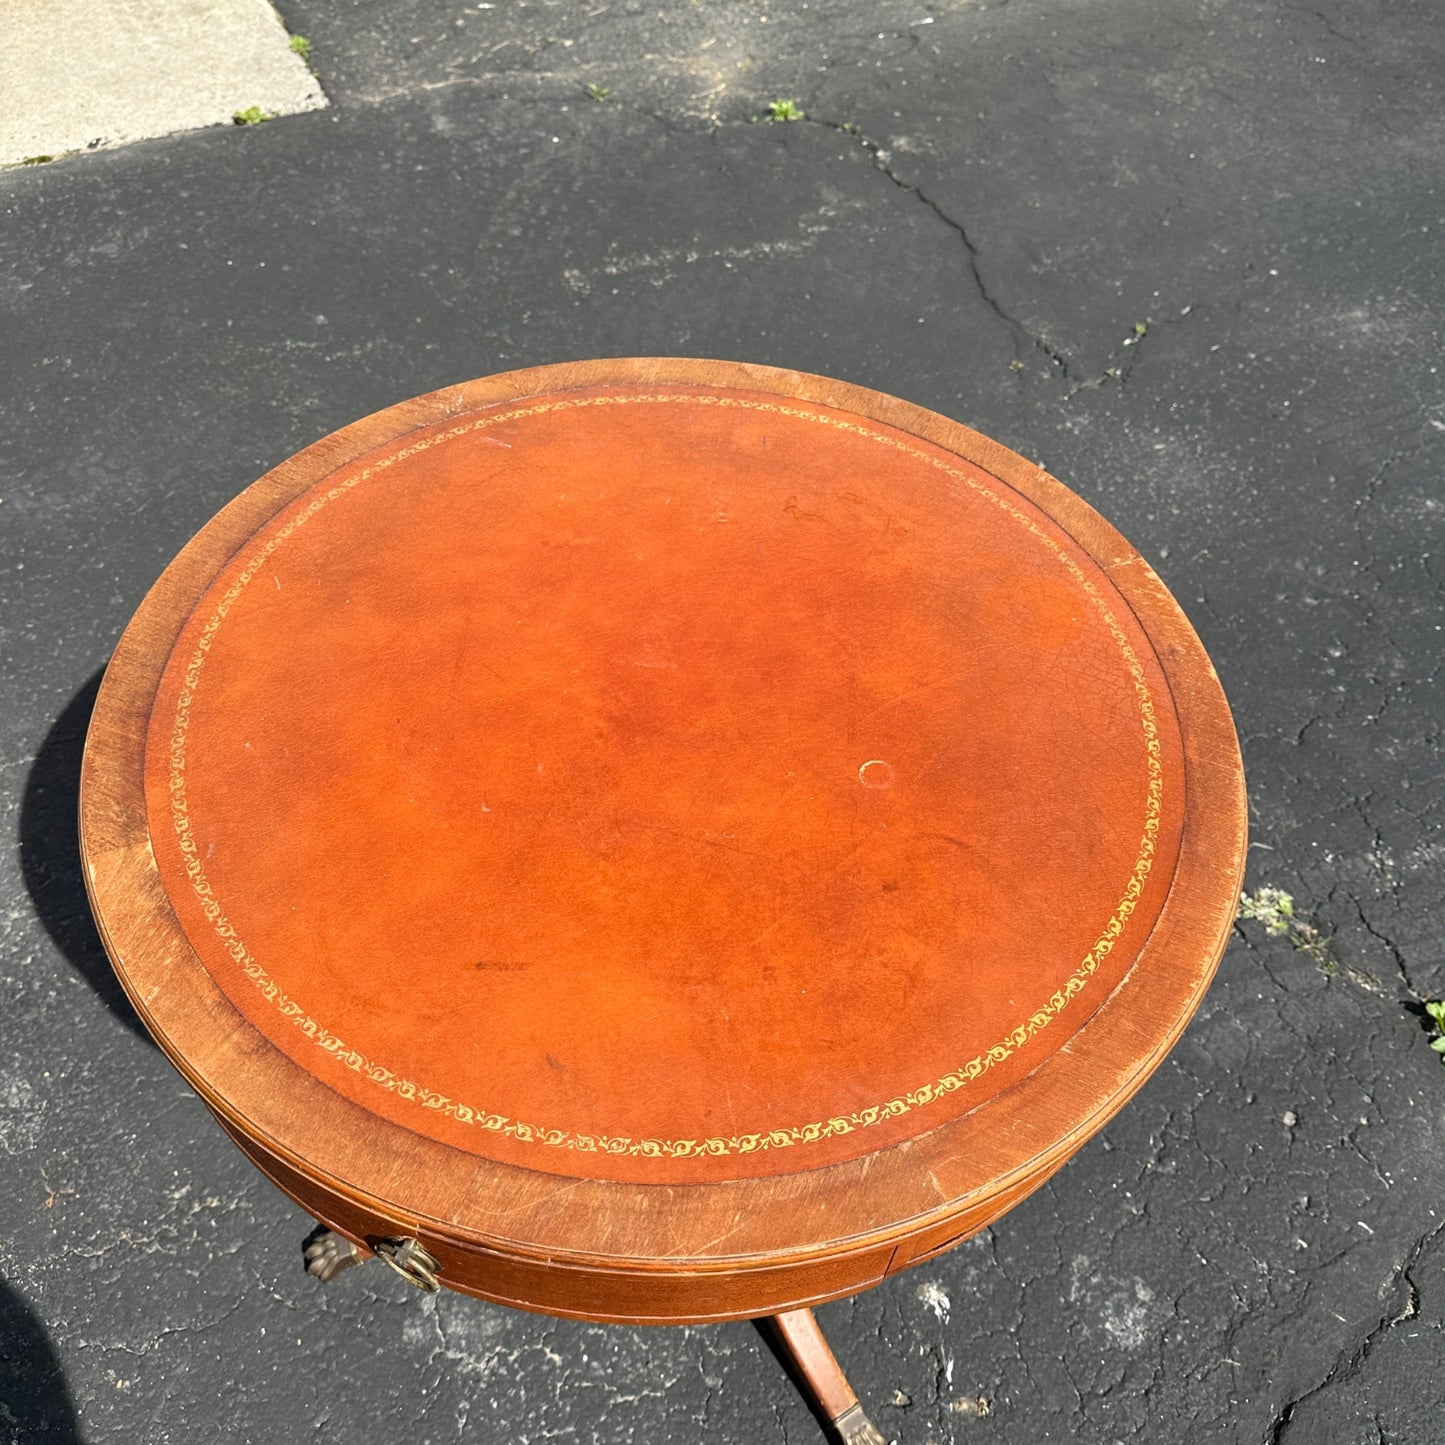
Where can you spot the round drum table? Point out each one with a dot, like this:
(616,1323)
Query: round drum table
(661,841)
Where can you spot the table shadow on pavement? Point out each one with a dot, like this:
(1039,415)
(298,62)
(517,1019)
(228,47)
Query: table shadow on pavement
(34,1398)
(50,854)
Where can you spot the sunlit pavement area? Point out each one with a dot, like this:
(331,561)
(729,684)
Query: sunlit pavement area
(1189,257)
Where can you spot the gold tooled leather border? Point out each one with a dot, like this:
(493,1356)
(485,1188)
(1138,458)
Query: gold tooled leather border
(747,1143)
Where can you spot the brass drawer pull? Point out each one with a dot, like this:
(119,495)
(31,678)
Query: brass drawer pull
(411,1261)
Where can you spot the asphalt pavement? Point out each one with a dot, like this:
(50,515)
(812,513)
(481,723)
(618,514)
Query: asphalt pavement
(1188,256)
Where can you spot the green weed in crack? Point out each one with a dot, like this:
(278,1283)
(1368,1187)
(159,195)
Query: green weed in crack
(1274,908)
(1436,1009)
(784,110)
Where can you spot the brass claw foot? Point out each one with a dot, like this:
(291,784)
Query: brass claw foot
(327,1254)
(855,1428)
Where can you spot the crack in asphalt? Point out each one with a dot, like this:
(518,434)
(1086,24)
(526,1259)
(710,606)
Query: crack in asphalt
(1279,1429)
(1022,337)
(1017,329)
(1395,951)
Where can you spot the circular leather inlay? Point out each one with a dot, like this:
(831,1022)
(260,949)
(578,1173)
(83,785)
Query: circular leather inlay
(664,784)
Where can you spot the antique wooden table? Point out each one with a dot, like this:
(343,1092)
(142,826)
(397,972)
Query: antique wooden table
(661,840)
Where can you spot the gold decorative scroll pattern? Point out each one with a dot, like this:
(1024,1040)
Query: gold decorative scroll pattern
(778,1138)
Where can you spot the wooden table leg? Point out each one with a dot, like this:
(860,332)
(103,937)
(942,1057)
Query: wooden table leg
(802,1341)
(797,1333)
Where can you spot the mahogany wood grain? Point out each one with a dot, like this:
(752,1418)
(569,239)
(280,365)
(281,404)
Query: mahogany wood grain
(799,1333)
(683,840)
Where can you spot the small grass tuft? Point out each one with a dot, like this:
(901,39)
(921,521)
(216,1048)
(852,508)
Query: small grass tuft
(596,92)
(1274,908)
(252,115)
(37,160)
(301,46)
(784,110)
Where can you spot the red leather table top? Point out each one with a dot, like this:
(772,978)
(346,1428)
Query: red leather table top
(661,780)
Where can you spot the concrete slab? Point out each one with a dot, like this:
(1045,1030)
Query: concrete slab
(86,74)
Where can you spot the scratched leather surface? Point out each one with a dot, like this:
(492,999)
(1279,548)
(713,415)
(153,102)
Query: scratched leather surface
(654,786)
